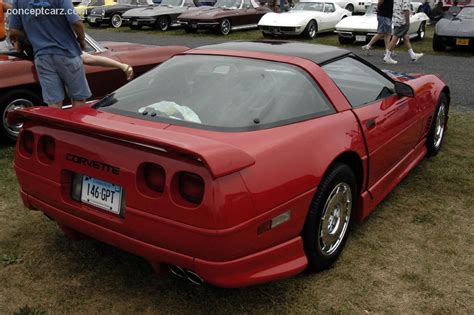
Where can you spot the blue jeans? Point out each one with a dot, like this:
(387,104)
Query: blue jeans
(57,72)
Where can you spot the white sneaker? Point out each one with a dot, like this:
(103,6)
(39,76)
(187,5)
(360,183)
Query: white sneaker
(366,48)
(390,61)
(415,57)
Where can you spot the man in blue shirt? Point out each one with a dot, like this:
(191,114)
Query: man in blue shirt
(57,35)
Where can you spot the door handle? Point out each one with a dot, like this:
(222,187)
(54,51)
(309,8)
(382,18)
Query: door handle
(370,123)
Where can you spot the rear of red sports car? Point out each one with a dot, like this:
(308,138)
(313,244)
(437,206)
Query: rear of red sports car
(209,164)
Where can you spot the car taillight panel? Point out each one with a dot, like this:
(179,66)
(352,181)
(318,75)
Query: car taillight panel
(46,149)
(27,143)
(151,179)
(191,187)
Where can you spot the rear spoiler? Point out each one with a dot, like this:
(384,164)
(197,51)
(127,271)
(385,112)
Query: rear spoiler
(220,158)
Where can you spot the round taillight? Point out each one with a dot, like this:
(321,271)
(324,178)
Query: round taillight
(154,176)
(27,142)
(191,187)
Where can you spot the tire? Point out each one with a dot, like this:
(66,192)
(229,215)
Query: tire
(311,30)
(328,215)
(345,40)
(438,44)
(12,100)
(350,7)
(162,23)
(225,27)
(421,31)
(116,21)
(435,137)
(190,30)
(135,27)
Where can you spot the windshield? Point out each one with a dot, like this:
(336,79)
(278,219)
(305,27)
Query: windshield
(127,2)
(371,10)
(467,13)
(310,6)
(224,93)
(228,4)
(174,3)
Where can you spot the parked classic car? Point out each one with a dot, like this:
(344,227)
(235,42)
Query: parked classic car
(113,14)
(456,30)
(307,18)
(225,16)
(19,86)
(160,17)
(86,6)
(354,6)
(362,28)
(232,177)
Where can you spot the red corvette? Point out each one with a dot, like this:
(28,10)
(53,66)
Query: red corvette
(233,164)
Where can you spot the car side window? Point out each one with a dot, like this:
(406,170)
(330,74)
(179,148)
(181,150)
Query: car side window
(359,83)
(329,8)
(247,4)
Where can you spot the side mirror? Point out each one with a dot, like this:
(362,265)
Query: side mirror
(403,89)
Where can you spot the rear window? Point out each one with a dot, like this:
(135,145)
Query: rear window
(216,92)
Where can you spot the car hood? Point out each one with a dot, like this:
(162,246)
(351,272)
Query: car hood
(365,22)
(208,13)
(455,27)
(292,18)
(114,7)
(153,11)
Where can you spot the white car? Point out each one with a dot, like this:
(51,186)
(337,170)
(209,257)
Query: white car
(362,28)
(307,18)
(354,6)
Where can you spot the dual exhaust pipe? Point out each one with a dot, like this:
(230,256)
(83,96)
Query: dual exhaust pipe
(187,274)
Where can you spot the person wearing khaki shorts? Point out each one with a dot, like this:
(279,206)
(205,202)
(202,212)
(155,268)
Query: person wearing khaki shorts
(401,25)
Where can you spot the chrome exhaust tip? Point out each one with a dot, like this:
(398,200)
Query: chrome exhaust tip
(193,277)
(177,271)
(187,274)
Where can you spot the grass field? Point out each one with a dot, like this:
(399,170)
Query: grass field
(424,45)
(415,254)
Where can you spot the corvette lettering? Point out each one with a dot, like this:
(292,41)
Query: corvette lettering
(92,163)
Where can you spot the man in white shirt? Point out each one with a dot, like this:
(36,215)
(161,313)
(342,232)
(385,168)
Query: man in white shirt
(401,25)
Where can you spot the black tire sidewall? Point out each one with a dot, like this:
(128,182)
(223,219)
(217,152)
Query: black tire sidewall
(6,99)
(158,23)
(336,174)
(430,146)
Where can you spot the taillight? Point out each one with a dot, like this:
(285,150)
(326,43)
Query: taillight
(46,149)
(191,187)
(27,142)
(154,176)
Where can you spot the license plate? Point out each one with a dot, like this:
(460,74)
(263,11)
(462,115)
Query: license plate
(462,41)
(194,25)
(361,38)
(135,23)
(101,194)
(92,19)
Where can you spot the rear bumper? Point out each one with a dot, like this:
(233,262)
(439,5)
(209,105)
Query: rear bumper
(452,41)
(278,262)
(231,257)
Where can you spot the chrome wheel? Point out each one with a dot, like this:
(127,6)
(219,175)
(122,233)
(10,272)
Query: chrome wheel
(225,27)
(335,219)
(163,23)
(14,130)
(439,126)
(312,30)
(421,31)
(116,21)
